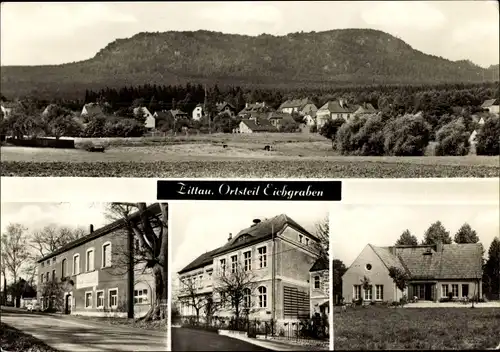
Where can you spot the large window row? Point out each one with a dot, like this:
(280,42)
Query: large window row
(99,299)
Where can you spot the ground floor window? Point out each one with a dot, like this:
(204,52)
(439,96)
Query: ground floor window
(454,290)
(100,299)
(88,299)
(379,292)
(262,297)
(141,296)
(113,298)
(465,290)
(444,290)
(368,293)
(357,292)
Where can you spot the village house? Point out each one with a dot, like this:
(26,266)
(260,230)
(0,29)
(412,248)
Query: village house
(252,108)
(320,287)
(92,276)
(7,108)
(150,122)
(435,272)
(277,254)
(255,125)
(334,110)
(492,105)
(225,107)
(91,109)
(278,120)
(197,112)
(365,109)
(300,106)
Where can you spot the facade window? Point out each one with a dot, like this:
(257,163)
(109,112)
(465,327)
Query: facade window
(262,297)
(41,278)
(100,299)
(317,283)
(54,275)
(113,298)
(368,293)
(200,281)
(47,277)
(357,292)
(368,267)
(444,290)
(262,257)
(465,290)
(223,265)
(454,290)
(53,260)
(234,263)
(247,298)
(76,264)
(63,268)
(89,265)
(301,238)
(248,260)
(307,241)
(106,254)
(43,264)
(379,292)
(141,296)
(88,299)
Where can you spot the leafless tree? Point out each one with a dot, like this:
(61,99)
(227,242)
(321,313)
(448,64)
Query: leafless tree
(14,249)
(151,233)
(190,295)
(323,234)
(53,237)
(232,285)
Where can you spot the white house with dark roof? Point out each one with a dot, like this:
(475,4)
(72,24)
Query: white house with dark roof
(335,109)
(300,106)
(277,254)
(91,109)
(492,105)
(320,287)
(435,272)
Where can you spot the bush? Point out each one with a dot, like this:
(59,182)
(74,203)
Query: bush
(371,137)
(452,139)
(347,141)
(407,135)
(313,129)
(487,139)
(330,129)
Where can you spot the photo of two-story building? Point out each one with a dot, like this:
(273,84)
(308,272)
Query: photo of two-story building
(91,275)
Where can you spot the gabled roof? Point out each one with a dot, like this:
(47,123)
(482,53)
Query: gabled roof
(93,108)
(280,116)
(143,109)
(153,209)
(161,114)
(261,125)
(489,102)
(334,106)
(452,261)
(366,108)
(178,113)
(319,265)
(253,234)
(295,103)
(222,106)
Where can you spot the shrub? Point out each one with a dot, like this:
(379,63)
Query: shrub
(452,139)
(330,129)
(313,129)
(371,137)
(407,135)
(487,139)
(347,136)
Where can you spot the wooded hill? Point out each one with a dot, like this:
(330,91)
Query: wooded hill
(316,59)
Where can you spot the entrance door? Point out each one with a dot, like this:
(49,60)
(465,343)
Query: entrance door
(465,290)
(428,292)
(421,291)
(68,304)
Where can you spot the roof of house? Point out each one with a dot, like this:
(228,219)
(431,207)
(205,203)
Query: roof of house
(143,109)
(222,106)
(320,264)
(259,125)
(334,106)
(280,116)
(366,108)
(93,108)
(489,102)
(253,234)
(161,114)
(295,103)
(177,113)
(453,261)
(152,209)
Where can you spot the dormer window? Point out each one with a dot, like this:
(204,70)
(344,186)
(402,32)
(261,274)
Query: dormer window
(300,238)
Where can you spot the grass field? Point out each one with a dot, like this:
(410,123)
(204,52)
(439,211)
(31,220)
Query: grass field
(416,328)
(293,155)
(12,339)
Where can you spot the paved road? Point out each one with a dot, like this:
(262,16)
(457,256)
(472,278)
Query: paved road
(198,340)
(70,334)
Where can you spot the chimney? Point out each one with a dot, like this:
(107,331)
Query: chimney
(91,228)
(230,237)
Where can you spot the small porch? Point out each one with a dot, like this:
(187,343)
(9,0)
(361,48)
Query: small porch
(423,291)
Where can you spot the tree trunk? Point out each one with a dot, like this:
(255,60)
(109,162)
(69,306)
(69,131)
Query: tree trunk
(161,295)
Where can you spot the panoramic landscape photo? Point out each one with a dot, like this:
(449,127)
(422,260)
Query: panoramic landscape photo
(250,90)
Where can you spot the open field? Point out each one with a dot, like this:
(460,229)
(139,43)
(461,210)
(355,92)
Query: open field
(416,328)
(293,155)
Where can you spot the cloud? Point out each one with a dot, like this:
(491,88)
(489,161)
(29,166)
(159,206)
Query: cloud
(401,14)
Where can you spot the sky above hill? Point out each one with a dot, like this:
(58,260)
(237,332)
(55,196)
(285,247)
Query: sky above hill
(55,33)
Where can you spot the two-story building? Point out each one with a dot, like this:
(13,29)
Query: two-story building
(276,254)
(299,106)
(320,287)
(335,109)
(90,275)
(197,112)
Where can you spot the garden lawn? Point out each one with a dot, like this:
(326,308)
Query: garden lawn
(12,339)
(416,328)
